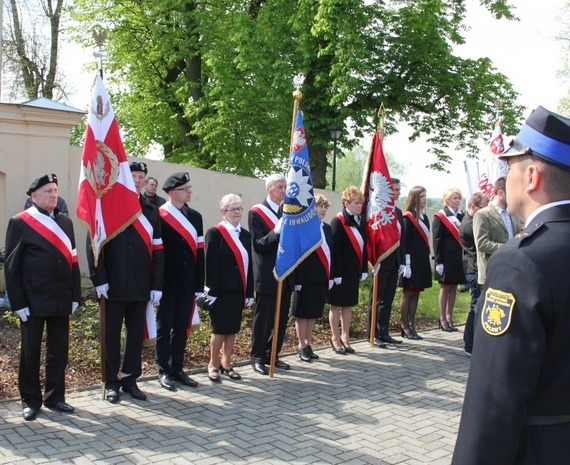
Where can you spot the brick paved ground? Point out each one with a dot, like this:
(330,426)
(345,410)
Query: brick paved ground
(378,406)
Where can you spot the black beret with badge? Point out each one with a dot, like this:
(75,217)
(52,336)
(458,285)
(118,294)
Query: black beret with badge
(138,166)
(41,181)
(175,180)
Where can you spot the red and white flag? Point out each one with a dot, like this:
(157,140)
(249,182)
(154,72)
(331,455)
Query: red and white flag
(382,234)
(497,145)
(107,201)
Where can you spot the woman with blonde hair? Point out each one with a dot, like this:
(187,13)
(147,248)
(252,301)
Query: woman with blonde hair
(448,255)
(417,277)
(350,266)
(229,278)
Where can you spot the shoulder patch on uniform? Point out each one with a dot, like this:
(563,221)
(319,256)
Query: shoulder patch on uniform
(497,311)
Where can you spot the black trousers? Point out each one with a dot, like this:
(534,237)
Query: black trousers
(263,322)
(387,284)
(57,349)
(172,322)
(133,314)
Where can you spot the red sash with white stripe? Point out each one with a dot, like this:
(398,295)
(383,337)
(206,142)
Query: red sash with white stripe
(453,229)
(145,231)
(50,231)
(182,226)
(237,253)
(351,232)
(266,215)
(418,227)
(324,254)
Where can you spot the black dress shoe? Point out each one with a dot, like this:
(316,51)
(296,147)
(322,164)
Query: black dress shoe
(347,349)
(260,368)
(30,413)
(389,339)
(304,355)
(135,392)
(379,343)
(312,354)
(184,379)
(112,395)
(282,365)
(166,382)
(61,407)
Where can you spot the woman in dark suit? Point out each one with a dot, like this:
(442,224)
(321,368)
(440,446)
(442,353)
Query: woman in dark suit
(313,275)
(418,275)
(350,266)
(229,277)
(448,255)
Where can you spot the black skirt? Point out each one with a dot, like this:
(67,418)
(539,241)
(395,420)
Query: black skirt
(310,301)
(345,294)
(225,317)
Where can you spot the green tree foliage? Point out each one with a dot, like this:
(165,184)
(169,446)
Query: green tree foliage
(211,82)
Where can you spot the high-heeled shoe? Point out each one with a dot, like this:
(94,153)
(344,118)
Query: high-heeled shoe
(444,327)
(214,375)
(413,330)
(407,333)
(347,349)
(337,351)
(232,374)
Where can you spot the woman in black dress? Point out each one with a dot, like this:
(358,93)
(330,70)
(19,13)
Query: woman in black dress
(417,277)
(229,277)
(448,255)
(350,266)
(313,275)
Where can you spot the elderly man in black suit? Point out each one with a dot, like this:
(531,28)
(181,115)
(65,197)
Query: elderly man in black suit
(129,274)
(183,238)
(517,408)
(43,282)
(265,226)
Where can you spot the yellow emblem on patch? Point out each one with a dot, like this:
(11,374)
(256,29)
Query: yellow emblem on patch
(497,311)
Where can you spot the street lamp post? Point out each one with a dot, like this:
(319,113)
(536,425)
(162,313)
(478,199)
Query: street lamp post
(335,135)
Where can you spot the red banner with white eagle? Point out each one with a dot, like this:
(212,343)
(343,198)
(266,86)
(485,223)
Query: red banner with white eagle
(382,234)
(107,201)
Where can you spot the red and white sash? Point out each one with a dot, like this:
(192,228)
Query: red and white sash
(324,253)
(240,254)
(452,226)
(182,226)
(419,227)
(46,227)
(354,236)
(266,214)
(145,230)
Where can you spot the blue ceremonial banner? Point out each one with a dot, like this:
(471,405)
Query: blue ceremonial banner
(300,229)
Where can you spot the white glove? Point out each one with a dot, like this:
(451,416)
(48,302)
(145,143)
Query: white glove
(155,297)
(211,299)
(376,268)
(402,270)
(277,227)
(102,290)
(408,272)
(23,314)
(337,281)
(439,269)
(331,283)
(74,306)
(363,276)
(298,287)
(249,301)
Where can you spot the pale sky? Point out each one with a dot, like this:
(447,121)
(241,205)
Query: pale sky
(526,51)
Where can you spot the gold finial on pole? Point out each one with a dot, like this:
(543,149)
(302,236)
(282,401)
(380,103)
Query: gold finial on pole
(298,81)
(381,118)
(100,37)
(498,108)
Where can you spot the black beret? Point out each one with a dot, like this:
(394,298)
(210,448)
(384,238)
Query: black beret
(175,180)
(138,166)
(41,181)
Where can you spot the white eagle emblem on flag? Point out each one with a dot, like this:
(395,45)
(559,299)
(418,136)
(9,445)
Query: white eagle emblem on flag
(380,209)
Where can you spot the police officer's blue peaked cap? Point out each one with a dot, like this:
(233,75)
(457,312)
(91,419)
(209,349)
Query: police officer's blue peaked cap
(545,135)
(175,180)
(41,181)
(138,166)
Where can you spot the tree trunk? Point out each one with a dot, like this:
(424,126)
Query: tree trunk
(318,159)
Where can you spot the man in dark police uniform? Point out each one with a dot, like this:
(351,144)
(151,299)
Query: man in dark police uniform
(128,274)
(43,282)
(517,402)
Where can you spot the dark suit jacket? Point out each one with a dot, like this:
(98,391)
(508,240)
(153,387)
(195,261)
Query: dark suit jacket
(447,251)
(345,259)
(419,253)
(311,269)
(38,276)
(490,234)
(125,264)
(398,257)
(222,272)
(183,272)
(524,371)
